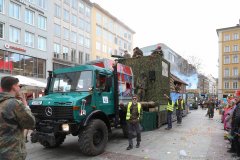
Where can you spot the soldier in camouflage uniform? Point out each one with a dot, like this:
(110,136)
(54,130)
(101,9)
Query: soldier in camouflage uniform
(15,116)
(141,87)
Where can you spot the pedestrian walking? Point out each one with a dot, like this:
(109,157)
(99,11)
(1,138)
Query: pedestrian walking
(170,107)
(179,109)
(15,116)
(133,116)
(210,106)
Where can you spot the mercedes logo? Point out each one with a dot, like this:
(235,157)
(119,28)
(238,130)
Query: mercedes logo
(48,111)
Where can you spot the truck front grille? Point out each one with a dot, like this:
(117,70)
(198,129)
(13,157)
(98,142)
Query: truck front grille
(52,112)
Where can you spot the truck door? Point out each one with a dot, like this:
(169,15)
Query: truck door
(104,93)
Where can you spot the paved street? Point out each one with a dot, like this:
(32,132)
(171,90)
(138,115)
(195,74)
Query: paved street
(197,138)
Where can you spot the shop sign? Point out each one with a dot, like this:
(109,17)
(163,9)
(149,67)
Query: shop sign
(8,46)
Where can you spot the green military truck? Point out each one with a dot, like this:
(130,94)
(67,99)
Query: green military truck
(84,100)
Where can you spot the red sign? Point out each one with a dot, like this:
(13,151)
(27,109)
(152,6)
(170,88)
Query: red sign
(14,48)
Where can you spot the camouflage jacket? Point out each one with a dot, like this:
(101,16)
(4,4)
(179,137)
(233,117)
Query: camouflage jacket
(14,118)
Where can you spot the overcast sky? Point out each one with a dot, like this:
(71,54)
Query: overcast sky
(186,26)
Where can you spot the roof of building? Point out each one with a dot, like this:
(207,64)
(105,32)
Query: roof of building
(228,28)
(175,78)
(113,17)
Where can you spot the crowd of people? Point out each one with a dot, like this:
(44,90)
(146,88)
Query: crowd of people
(230,112)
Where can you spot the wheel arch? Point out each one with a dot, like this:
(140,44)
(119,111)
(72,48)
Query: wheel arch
(97,114)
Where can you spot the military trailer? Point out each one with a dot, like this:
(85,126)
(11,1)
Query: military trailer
(85,100)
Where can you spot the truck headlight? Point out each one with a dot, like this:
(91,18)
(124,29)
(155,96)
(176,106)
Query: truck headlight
(65,127)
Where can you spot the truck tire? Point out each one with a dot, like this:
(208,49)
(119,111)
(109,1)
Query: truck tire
(125,130)
(93,138)
(59,140)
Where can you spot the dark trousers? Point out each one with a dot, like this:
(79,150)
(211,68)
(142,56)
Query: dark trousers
(211,112)
(169,119)
(134,127)
(179,116)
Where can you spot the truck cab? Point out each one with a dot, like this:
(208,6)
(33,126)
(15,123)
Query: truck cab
(82,101)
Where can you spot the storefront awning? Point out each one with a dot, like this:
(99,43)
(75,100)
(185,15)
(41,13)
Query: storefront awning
(30,82)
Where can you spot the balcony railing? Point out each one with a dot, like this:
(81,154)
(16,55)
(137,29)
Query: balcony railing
(231,78)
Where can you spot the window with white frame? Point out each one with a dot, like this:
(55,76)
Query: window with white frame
(87,11)
(226,72)
(2,6)
(65,53)
(87,27)
(56,49)
(29,17)
(226,37)
(14,34)
(42,43)
(1,30)
(42,22)
(235,71)
(41,3)
(81,7)
(14,10)
(57,11)
(57,30)
(226,59)
(235,85)
(81,40)
(29,39)
(129,37)
(235,48)
(98,46)
(226,49)
(66,33)
(110,50)
(87,42)
(226,85)
(99,31)
(66,16)
(235,36)
(99,18)
(235,59)
(87,57)
(81,23)
(104,48)
(74,4)
(74,37)
(74,20)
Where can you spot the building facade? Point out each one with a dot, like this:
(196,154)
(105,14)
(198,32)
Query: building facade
(203,84)
(110,36)
(24,39)
(71,32)
(229,42)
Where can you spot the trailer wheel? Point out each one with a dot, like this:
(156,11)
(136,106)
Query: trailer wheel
(93,138)
(59,140)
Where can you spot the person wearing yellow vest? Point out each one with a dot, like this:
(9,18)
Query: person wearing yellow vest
(179,109)
(133,116)
(170,107)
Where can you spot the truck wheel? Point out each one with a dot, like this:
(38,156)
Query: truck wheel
(125,130)
(93,138)
(59,140)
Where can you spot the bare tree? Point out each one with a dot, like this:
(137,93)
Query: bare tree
(196,62)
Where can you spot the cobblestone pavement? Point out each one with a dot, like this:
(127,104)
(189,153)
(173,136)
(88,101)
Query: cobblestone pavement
(198,138)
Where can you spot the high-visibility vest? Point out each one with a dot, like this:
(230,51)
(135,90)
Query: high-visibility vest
(170,106)
(181,104)
(128,110)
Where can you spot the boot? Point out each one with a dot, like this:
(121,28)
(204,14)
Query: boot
(129,147)
(138,145)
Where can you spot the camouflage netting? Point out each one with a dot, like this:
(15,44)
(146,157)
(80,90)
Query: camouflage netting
(144,70)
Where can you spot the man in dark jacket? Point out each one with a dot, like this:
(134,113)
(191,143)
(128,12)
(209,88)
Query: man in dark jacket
(15,116)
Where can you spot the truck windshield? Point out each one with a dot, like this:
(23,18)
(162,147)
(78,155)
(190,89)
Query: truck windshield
(72,81)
